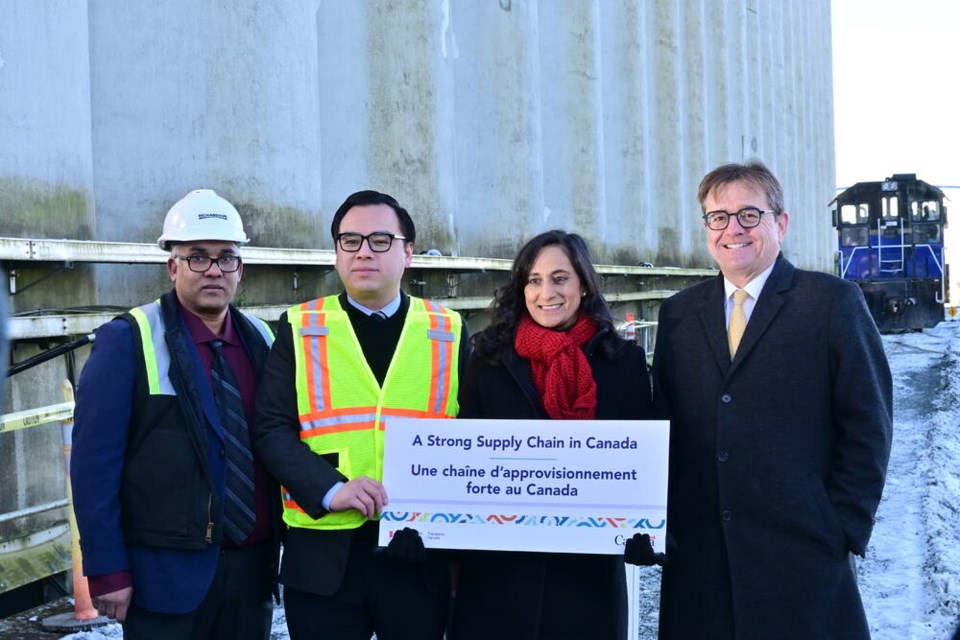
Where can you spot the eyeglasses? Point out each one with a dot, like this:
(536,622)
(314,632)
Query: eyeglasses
(200,264)
(379,242)
(748,217)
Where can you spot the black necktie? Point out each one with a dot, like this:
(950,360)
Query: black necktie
(378,316)
(238,513)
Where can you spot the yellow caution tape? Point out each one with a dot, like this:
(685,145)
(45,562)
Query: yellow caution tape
(35,417)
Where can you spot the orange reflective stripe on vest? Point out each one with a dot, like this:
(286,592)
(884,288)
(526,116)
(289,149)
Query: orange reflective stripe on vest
(311,331)
(442,343)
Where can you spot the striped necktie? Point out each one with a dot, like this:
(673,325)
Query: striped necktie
(738,321)
(238,509)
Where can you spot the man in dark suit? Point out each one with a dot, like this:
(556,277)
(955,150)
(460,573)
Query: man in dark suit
(172,547)
(341,367)
(780,401)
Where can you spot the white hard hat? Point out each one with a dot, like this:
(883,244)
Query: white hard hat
(202,215)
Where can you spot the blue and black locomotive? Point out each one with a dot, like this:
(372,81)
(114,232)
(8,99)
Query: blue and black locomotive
(891,244)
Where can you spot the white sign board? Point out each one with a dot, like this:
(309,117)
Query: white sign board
(571,486)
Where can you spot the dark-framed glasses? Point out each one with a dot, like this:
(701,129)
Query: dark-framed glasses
(200,264)
(379,242)
(748,217)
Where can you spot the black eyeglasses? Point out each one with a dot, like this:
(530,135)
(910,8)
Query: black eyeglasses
(379,242)
(748,217)
(200,264)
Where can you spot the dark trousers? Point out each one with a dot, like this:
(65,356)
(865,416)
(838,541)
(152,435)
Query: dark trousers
(237,607)
(508,595)
(395,599)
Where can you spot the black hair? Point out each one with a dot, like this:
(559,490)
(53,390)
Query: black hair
(753,172)
(509,304)
(367,198)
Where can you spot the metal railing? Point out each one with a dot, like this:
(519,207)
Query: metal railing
(68,323)
(44,250)
(62,413)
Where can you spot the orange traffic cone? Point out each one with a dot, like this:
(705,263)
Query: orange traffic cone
(85,616)
(83,606)
(630,329)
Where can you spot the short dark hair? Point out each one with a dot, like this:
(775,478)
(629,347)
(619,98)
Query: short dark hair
(368,198)
(509,303)
(752,172)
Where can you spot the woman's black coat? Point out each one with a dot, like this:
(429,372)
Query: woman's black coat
(519,595)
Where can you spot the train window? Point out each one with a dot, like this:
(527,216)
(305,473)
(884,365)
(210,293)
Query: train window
(927,233)
(854,237)
(929,210)
(854,213)
(890,207)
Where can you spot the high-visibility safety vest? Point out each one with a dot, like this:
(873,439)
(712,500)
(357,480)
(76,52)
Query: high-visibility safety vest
(156,354)
(167,423)
(341,405)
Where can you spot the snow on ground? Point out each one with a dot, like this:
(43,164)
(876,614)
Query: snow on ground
(910,579)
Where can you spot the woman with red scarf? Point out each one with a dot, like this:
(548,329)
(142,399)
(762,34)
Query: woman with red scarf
(551,352)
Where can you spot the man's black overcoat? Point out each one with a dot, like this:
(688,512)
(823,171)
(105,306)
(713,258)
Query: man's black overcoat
(777,459)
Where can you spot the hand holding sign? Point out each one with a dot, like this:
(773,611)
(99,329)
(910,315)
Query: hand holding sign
(536,485)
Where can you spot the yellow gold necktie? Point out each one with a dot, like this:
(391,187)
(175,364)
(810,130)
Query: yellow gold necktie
(738,321)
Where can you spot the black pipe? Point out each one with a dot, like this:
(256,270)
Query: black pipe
(50,354)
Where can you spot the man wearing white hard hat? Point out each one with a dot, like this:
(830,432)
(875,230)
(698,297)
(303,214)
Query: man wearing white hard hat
(178,521)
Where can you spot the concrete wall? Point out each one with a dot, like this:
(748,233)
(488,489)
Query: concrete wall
(46,191)
(46,160)
(490,120)
(46,164)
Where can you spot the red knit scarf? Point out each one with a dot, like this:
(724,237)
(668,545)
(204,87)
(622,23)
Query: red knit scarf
(561,373)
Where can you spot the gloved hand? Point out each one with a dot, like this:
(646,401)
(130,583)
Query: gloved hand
(407,545)
(639,551)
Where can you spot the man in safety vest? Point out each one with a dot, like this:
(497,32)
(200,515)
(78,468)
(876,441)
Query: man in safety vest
(178,522)
(341,365)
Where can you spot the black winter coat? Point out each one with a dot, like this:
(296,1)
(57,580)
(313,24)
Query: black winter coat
(777,459)
(528,596)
